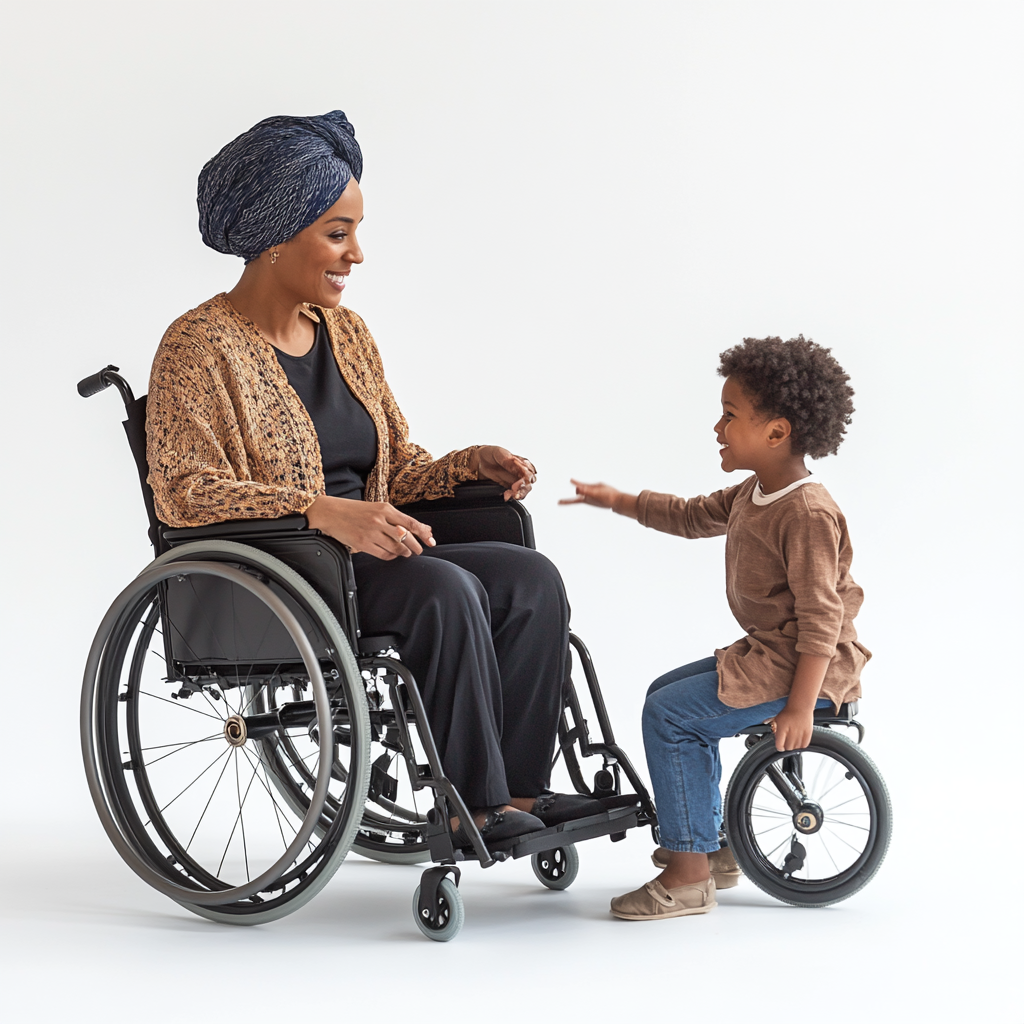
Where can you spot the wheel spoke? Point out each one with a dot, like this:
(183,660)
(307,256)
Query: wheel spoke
(241,818)
(783,843)
(181,743)
(847,824)
(206,697)
(829,852)
(278,810)
(192,783)
(238,817)
(257,689)
(205,739)
(231,835)
(768,810)
(817,774)
(210,800)
(859,796)
(300,765)
(178,704)
(829,790)
(831,762)
(835,835)
(765,831)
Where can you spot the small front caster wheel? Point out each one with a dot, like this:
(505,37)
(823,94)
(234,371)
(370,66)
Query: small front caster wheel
(449,913)
(558,868)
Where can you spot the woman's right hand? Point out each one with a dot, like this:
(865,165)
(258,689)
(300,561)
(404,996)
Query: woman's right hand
(603,496)
(376,527)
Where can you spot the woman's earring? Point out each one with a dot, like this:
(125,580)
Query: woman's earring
(273,256)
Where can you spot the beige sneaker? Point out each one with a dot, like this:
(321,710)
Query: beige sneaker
(724,869)
(653,901)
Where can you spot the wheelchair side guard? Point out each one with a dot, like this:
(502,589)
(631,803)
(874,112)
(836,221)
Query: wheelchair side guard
(430,881)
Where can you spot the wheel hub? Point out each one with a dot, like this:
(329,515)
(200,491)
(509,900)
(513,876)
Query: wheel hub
(808,818)
(234,731)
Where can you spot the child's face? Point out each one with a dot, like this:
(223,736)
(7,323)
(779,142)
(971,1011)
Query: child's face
(747,436)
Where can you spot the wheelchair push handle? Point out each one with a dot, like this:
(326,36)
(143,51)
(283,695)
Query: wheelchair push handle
(102,380)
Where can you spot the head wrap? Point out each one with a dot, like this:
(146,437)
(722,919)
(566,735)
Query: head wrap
(274,180)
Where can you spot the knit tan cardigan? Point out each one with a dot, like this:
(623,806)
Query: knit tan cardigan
(228,437)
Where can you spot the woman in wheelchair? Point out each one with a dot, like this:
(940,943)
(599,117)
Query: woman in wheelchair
(271,400)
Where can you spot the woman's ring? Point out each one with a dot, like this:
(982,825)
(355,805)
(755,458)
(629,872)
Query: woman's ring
(401,540)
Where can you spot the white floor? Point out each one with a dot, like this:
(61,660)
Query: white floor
(84,939)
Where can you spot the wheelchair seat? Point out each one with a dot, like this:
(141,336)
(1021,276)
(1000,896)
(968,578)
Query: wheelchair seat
(845,714)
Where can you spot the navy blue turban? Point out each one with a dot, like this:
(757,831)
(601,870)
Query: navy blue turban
(274,180)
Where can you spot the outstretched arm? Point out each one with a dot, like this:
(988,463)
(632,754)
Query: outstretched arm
(604,496)
(684,517)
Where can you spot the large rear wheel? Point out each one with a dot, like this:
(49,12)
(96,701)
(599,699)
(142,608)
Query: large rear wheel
(217,679)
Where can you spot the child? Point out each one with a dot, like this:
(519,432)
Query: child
(787,557)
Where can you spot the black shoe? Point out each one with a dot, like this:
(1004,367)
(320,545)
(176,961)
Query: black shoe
(498,826)
(556,808)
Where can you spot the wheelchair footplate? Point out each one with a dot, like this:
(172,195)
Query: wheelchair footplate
(613,823)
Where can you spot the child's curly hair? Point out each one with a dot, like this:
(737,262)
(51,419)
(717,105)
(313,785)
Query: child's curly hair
(798,380)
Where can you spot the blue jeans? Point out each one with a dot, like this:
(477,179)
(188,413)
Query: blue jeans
(683,722)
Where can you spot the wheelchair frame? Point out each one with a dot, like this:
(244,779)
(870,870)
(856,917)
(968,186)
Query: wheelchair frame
(477,512)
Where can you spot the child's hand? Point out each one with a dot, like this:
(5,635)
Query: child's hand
(603,496)
(792,729)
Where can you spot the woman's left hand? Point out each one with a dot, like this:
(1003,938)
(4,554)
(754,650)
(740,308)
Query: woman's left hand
(516,474)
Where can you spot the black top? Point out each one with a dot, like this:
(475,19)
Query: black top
(347,435)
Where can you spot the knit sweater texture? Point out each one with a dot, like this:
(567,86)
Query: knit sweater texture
(228,437)
(787,579)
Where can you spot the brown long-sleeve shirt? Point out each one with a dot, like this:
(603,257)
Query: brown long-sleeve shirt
(228,437)
(787,578)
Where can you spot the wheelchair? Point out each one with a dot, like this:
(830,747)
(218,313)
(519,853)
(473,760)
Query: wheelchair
(241,735)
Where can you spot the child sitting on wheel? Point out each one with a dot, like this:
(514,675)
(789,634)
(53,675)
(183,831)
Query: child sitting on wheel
(787,557)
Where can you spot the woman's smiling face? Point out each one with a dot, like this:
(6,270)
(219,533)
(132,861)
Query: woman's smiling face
(746,435)
(315,264)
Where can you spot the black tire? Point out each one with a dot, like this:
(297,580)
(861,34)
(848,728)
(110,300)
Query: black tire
(786,851)
(135,799)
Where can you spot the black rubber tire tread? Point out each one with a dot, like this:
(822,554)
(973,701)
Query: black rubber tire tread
(751,767)
(358,715)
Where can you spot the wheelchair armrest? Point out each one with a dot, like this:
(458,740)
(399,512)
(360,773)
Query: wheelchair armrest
(235,529)
(475,493)
(476,511)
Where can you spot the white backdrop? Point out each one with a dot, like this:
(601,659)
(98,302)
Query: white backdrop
(572,208)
